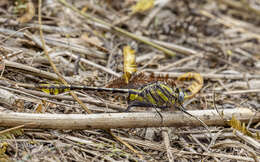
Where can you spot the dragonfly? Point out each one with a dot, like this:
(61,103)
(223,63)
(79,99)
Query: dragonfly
(156,95)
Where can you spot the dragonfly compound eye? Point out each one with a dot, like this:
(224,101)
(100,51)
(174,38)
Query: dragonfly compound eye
(181,96)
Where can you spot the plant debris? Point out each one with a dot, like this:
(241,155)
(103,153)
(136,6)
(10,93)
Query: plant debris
(215,43)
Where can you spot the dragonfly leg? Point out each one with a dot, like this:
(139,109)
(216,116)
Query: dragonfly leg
(138,103)
(143,104)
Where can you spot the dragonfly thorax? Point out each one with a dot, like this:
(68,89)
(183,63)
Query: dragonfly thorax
(156,95)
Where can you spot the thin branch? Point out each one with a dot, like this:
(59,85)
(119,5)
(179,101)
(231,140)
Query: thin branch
(53,65)
(167,145)
(124,120)
(206,76)
(117,29)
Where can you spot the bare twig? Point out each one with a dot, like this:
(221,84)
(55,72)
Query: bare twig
(117,29)
(207,76)
(248,139)
(167,145)
(34,71)
(122,120)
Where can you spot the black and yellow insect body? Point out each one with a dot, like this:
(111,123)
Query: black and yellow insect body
(55,89)
(156,95)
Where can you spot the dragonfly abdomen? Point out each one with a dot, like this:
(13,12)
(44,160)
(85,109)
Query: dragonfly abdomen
(58,89)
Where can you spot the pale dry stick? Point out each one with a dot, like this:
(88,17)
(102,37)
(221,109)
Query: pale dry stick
(178,48)
(250,121)
(160,147)
(247,139)
(122,120)
(118,30)
(214,138)
(183,143)
(223,135)
(246,54)
(144,57)
(37,41)
(94,153)
(223,85)
(75,47)
(153,13)
(55,42)
(2,67)
(257,125)
(13,54)
(92,64)
(98,9)
(237,144)
(34,71)
(54,29)
(8,98)
(202,146)
(13,34)
(241,5)
(11,129)
(215,107)
(218,70)
(199,143)
(248,28)
(181,61)
(235,41)
(206,76)
(167,145)
(229,24)
(241,91)
(228,62)
(217,155)
(146,144)
(51,62)
(151,60)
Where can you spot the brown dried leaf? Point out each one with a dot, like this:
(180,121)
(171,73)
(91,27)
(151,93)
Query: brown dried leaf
(30,12)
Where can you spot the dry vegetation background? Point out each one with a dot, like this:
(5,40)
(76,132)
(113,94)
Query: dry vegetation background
(218,39)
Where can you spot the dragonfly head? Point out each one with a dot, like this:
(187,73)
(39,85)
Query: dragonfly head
(180,95)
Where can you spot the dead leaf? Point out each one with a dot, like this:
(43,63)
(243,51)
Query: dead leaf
(142,5)
(30,12)
(195,87)
(39,108)
(129,63)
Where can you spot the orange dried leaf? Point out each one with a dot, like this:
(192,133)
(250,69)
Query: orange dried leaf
(195,87)
(142,5)
(39,108)
(129,63)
